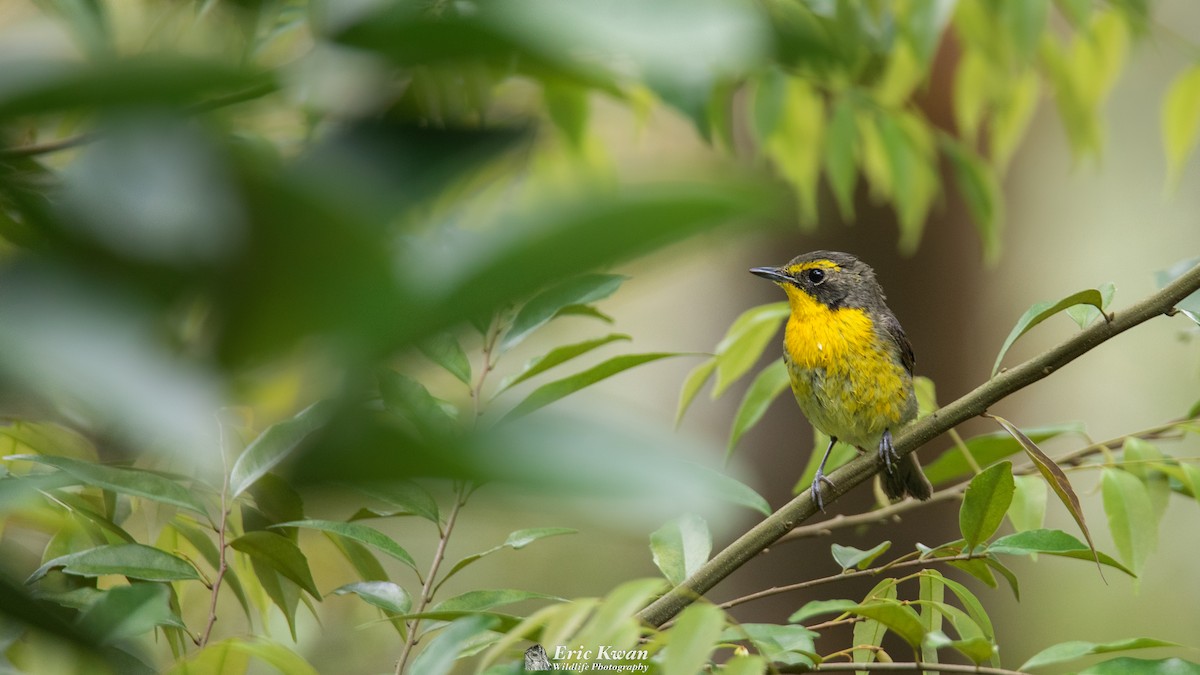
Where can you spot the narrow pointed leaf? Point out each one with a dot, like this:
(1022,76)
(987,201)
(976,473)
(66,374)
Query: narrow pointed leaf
(407,495)
(477,601)
(438,657)
(445,351)
(1127,665)
(1055,478)
(385,595)
(359,533)
(549,393)
(280,554)
(692,639)
(126,481)
(1028,508)
(543,307)
(1181,122)
(987,498)
(745,342)
(1041,311)
(695,380)
(727,488)
(1076,649)
(1131,517)
(274,445)
(135,561)
(516,540)
(556,357)
(767,386)
(989,448)
(680,547)
(1052,542)
(849,557)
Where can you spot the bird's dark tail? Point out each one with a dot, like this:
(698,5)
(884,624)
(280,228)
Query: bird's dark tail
(906,478)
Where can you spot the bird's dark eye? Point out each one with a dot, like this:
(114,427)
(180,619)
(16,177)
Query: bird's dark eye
(816,276)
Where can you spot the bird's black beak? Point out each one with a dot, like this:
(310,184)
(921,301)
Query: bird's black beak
(772,274)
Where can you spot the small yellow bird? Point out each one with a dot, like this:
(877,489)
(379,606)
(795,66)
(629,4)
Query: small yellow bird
(849,362)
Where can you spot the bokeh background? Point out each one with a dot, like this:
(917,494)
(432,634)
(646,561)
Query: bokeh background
(1070,223)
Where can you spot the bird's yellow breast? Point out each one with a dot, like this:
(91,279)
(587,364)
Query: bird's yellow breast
(845,375)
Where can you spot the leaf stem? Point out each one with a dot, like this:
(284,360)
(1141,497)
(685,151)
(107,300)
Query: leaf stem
(427,589)
(223,561)
(915,435)
(850,574)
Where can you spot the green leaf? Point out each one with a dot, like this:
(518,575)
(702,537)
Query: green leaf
(979,617)
(1028,508)
(766,387)
(1084,315)
(727,488)
(614,615)
(519,539)
(1009,576)
(231,656)
(557,356)
(385,595)
(1181,122)
(1074,650)
(409,496)
(989,448)
(1055,478)
(692,385)
(795,145)
(280,554)
(973,83)
(359,533)
(126,481)
(128,611)
(980,190)
(978,649)
(1131,517)
(135,561)
(840,151)
(1011,116)
(848,556)
(1127,665)
(680,547)
(692,639)
(818,607)
(931,594)
(542,308)
(478,601)
(408,398)
(987,498)
(587,311)
(1041,311)
(1051,542)
(274,445)
(438,657)
(871,632)
(516,540)
(745,664)
(899,619)
(745,341)
(444,350)
(553,391)
(788,645)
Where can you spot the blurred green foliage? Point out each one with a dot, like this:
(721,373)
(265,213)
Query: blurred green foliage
(230,226)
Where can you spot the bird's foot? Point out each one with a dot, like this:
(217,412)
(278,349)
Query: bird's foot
(887,453)
(816,489)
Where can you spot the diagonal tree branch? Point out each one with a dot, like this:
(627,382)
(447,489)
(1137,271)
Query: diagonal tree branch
(861,469)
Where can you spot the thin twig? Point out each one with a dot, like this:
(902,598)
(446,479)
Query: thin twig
(915,435)
(850,574)
(223,561)
(427,588)
(891,511)
(903,667)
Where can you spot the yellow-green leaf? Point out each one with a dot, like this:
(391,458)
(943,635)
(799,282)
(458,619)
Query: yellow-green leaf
(1130,517)
(1041,311)
(1181,121)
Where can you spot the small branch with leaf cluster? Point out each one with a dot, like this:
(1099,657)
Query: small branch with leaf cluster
(863,468)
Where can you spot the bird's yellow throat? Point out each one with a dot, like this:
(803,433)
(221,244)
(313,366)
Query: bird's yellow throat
(819,337)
